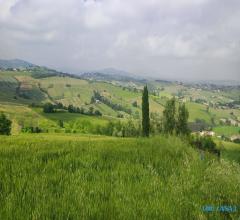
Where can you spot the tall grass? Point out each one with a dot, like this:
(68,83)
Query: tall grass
(71,177)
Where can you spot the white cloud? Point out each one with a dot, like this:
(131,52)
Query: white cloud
(157,36)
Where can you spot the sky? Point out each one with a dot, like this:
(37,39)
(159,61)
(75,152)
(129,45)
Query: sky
(170,39)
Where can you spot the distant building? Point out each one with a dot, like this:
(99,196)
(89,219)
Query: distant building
(233,122)
(223,121)
(97,101)
(229,121)
(207,133)
(235,138)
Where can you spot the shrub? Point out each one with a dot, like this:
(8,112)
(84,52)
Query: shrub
(98,113)
(5,125)
(60,123)
(134,104)
(206,144)
(48,108)
(31,129)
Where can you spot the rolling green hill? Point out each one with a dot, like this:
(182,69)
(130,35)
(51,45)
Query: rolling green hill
(38,85)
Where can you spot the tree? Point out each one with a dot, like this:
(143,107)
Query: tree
(98,113)
(90,110)
(60,123)
(5,125)
(59,105)
(48,108)
(71,109)
(134,104)
(207,109)
(145,113)
(92,100)
(182,120)
(169,122)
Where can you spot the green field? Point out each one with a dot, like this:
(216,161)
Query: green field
(229,150)
(226,130)
(94,177)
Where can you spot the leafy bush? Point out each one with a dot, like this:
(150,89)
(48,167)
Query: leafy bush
(205,143)
(31,129)
(48,108)
(5,125)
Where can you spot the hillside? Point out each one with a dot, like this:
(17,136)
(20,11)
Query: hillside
(15,64)
(71,177)
(209,105)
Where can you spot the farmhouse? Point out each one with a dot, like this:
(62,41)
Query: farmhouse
(233,122)
(207,133)
(235,138)
(229,121)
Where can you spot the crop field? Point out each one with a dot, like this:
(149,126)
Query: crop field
(51,176)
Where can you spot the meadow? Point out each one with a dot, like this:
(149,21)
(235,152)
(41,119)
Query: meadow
(226,130)
(67,176)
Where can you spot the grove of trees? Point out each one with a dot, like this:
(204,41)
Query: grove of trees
(175,122)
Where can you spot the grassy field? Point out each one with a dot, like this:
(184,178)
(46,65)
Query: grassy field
(198,111)
(226,130)
(230,150)
(51,176)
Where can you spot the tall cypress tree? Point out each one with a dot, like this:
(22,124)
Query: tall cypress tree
(169,122)
(145,113)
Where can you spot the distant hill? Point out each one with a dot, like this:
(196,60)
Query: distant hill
(15,63)
(111,74)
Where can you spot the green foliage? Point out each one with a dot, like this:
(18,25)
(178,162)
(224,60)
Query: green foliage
(90,110)
(182,120)
(48,108)
(145,113)
(5,125)
(156,126)
(91,177)
(114,106)
(71,109)
(60,123)
(121,129)
(204,143)
(31,129)
(134,104)
(169,121)
(97,113)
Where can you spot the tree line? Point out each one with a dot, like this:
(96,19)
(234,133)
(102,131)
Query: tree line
(52,108)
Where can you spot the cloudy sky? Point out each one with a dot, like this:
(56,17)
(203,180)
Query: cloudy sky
(182,39)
